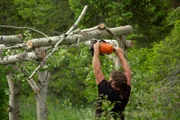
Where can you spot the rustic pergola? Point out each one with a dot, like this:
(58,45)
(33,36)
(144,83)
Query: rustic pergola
(35,49)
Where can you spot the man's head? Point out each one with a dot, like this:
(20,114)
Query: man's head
(118,79)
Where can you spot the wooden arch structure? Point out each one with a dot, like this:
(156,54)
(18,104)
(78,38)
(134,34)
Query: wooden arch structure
(35,49)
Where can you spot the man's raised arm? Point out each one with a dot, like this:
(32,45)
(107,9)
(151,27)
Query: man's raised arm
(125,65)
(96,64)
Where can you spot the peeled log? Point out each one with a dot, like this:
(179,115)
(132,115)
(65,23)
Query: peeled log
(19,45)
(19,57)
(11,39)
(33,85)
(14,97)
(82,36)
(2,46)
(128,43)
(41,96)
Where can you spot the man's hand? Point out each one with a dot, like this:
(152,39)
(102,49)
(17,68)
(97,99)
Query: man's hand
(118,50)
(96,45)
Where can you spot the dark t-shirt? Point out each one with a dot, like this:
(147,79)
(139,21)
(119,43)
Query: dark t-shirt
(118,98)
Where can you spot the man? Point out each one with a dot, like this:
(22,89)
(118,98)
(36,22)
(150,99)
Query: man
(116,90)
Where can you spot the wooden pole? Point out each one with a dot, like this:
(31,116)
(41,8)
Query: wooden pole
(82,36)
(41,96)
(12,39)
(14,98)
(26,56)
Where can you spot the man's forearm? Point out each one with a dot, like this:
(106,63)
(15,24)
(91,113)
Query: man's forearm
(122,59)
(96,61)
(96,67)
(125,65)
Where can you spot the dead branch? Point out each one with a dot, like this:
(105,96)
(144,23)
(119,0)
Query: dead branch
(26,56)
(6,26)
(57,44)
(82,36)
(11,39)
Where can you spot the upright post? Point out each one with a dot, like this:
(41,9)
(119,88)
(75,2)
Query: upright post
(14,98)
(41,96)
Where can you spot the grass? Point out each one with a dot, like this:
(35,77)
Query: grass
(57,110)
(67,111)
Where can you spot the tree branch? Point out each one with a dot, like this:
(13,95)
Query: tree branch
(33,85)
(11,39)
(128,43)
(77,21)
(21,45)
(5,26)
(87,34)
(16,58)
(57,44)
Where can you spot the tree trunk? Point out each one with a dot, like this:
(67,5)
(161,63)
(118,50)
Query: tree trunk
(26,56)
(117,63)
(11,39)
(42,95)
(82,36)
(14,98)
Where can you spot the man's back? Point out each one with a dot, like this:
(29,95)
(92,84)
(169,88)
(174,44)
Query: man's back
(118,99)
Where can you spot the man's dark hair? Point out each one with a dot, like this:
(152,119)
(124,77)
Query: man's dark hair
(119,78)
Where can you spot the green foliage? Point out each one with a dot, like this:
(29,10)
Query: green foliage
(48,16)
(58,109)
(155,89)
(97,7)
(155,67)
(107,114)
(73,73)
(166,53)
(27,35)
(63,109)
(8,16)
(173,17)
(3,94)
(147,16)
(33,11)
(69,72)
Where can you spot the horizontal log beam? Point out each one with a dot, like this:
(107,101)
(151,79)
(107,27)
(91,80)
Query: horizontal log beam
(40,53)
(12,39)
(2,46)
(5,47)
(128,43)
(20,57)
(82,36)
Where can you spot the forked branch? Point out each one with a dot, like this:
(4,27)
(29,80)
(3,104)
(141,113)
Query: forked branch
(57,44)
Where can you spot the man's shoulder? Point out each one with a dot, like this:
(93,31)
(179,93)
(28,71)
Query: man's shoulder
(128,86)
(103,87)
(104,82)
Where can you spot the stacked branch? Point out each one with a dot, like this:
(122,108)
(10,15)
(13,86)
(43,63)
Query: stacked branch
(97,32)
(26,56)
(72,36)
(12,39)
(82,36)
(128,43)
(35,49)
